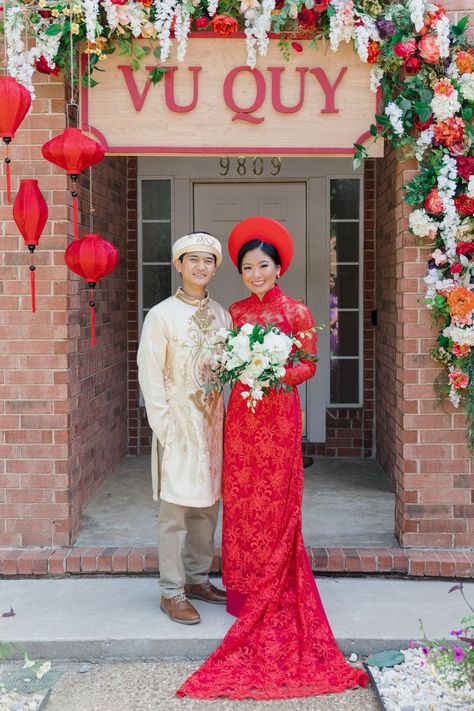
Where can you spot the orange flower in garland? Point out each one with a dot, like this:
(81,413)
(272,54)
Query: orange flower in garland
(461,301)
(224,25)
(450,131)
(465,61)
(373,51)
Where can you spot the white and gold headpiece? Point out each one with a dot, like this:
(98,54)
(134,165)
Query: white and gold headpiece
(197,242)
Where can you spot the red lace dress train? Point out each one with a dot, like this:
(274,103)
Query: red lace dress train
(281,645)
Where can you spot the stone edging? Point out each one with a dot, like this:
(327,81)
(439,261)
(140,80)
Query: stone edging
(420,562)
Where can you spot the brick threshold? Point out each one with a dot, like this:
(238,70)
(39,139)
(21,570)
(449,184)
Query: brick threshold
(416,562)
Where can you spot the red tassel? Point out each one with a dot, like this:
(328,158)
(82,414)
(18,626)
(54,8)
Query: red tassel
(8,176)
(75,215)
(33,289)
(93,326)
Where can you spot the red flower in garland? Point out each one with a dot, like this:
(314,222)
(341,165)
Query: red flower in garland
(321,5)
(466,249)
(422,125)
(43,67)
(405,49)
(224,25)
(465,166)
(464,204)
(412,65)
(307,19)
(297,46)
(202,23)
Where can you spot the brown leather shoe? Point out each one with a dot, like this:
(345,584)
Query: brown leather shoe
(179,609)
(207,592)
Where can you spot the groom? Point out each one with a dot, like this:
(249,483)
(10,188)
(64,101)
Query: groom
(186,417)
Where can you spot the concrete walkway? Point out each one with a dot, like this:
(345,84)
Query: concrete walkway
(105,618)
(348,502)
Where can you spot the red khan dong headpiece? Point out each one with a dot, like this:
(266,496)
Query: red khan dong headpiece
(267,230)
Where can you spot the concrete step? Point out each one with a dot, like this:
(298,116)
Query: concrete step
(119,618)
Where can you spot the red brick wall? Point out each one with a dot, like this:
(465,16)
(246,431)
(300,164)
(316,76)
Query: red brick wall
(98,375)
(34,364)
(62,404)
(132,291)
(420,445)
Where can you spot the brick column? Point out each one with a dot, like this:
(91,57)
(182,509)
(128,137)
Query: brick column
(34,363)
(419,444)
(62,403)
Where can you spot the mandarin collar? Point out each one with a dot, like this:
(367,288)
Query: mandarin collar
(198,303)
(272,295)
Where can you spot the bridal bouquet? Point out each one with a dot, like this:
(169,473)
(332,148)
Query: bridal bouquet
(256,356)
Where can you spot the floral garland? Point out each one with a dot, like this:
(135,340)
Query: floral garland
(423,65)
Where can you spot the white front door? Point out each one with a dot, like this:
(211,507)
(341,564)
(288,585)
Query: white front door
(218,207)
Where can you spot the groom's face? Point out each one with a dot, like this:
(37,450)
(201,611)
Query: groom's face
(197,268)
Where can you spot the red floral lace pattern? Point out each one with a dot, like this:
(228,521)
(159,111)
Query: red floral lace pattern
(281,646)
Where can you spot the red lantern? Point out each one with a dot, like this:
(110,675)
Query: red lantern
(73,151)
(92,257)
(30,213)
(15,102)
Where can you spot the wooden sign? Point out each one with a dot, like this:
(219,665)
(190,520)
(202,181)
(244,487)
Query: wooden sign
(317,103)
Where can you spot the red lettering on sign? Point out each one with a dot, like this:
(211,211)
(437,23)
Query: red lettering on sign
(276,73)
(137,99)
(240,112)
(169,90)
(329,89)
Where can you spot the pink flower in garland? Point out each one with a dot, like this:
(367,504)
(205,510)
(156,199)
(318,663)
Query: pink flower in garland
(443,87)
(429,50)
(433,202)
(461,351)
(458,379)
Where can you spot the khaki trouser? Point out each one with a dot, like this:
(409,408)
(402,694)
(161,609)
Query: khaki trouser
(186,544)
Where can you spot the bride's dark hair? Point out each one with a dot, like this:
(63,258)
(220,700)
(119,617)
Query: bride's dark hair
(269,250)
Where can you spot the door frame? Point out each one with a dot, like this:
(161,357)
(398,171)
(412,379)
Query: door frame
(185,172)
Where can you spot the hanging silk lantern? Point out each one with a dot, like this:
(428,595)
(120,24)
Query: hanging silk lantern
(30,213)
(15,102)
(92,257)
(73,151)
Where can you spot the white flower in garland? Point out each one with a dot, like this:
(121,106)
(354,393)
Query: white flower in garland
(424,140)
(421,224)
(182,27)
(134,12)
(445,103)
(417,11)
(455,396)
(470,187)
(212,7)
(165,11)
(462,336)
(447,182)
(48,47)
(362,34)
(341,23)
(258,19)
(442,28)
(91,11)
(376,76)
(395,114)
(466,82)
(20,60)
(111,12)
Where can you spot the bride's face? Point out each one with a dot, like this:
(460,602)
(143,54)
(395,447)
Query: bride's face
(259,272)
